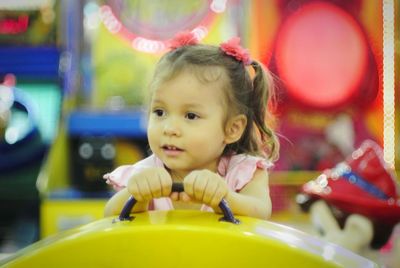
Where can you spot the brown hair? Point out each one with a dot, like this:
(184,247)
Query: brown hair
(244,95)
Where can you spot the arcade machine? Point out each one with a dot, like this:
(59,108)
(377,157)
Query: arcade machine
(105,118)
(335,70)
(30,97)
(327,59)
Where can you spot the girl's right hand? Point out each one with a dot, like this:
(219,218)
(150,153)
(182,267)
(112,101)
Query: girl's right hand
(150,183)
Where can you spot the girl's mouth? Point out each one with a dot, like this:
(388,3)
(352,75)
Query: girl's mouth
(171,150)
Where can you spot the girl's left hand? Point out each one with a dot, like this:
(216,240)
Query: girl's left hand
(206,187)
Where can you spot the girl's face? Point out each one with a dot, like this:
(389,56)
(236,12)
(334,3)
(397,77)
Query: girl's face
(186,129)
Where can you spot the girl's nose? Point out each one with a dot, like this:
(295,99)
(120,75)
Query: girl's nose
(171,128)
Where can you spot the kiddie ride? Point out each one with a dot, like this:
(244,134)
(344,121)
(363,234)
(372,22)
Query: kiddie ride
(183,238)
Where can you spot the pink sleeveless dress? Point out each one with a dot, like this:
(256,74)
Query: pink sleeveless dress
(237,170)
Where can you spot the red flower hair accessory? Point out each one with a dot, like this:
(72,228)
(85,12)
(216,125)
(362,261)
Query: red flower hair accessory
(183,39)
(232,48)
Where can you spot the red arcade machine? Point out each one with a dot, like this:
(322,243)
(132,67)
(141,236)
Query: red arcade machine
(327,60)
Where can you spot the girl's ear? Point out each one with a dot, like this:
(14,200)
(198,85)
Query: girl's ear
(234,128)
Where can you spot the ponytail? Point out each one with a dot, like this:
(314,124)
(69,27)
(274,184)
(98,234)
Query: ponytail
(263,92)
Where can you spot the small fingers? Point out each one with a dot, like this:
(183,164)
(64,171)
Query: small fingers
(174,196)
(194,185)
(206,187)
(188,183)
(155,187)
(219,194)
(199,188)
(149,184)
(184,197)
(145,188)
(210,192)
(133,189)
(165,181)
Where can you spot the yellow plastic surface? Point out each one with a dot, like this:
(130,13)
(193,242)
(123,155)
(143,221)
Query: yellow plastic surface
(183,239)
(60,214)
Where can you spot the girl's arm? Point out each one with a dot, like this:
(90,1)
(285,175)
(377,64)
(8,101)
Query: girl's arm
(253,200)
(117,201)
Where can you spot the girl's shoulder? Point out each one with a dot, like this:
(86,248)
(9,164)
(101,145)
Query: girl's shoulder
(243,162)
(239,169)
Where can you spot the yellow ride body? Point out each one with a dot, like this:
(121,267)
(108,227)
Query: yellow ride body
(183,238)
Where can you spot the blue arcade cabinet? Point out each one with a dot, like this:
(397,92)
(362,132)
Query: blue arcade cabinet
(29,53)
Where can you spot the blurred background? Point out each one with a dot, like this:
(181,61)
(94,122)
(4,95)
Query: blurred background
(74,77)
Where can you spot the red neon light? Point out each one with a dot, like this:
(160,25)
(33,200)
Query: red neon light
(321,55)
(14,26)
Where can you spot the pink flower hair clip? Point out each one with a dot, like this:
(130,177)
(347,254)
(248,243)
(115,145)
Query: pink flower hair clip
(232,48)
(183,39)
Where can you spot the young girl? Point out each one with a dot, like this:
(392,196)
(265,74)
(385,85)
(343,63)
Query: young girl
(207,130)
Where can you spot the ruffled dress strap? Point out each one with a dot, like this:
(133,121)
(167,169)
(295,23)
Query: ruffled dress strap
(239,169)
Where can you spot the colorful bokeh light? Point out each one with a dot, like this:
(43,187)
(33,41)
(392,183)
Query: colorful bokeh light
(321,55)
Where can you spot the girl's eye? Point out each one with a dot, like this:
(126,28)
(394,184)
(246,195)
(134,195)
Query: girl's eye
(191,116)
(159,112)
